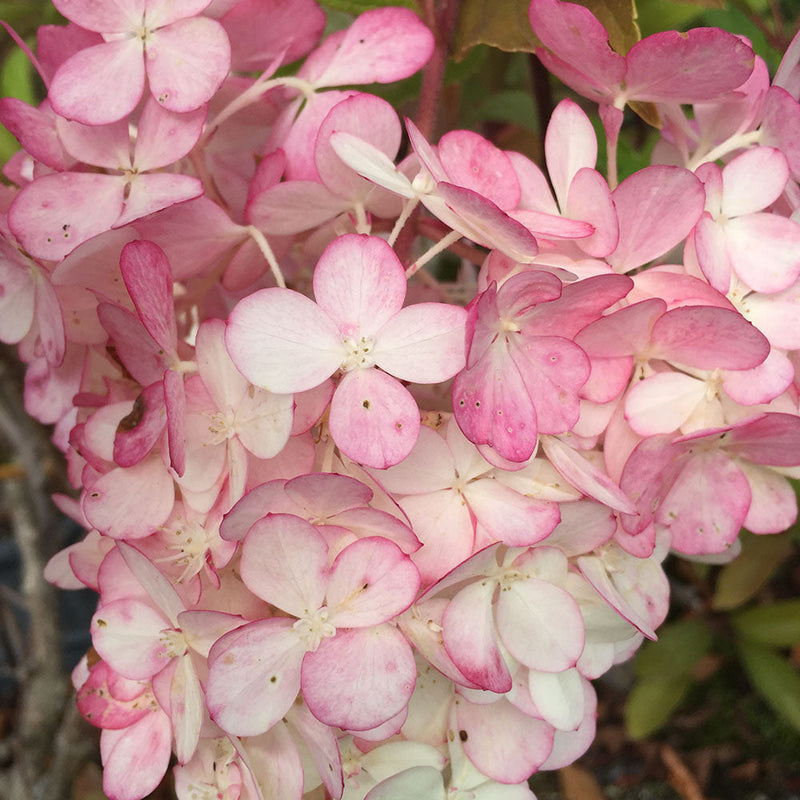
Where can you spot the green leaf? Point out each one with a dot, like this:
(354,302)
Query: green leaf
(651,703)
(513,105)
(500,23)
(619,19)
(777,624)
(774,678)
(356,7)
(504,24)
(679,647)
(740,580)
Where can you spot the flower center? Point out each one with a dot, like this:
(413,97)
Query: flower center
(359,354)
(313,628)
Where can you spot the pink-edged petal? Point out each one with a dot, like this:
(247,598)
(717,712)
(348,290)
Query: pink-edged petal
(360,283)
(509,516)
(568,746)
(585,476)
(264,422)
(130,503)
(663,402)
(187,708)
(365,522)
(374,419)
(423,343)
(700,64)
(471,640)
(624,332)
(360,678)
(35,131)
(57,212)
(708,338)
(224,382)
(367,117)
(322,745)
(764,251)
(158,588)
(126,634)
(710,246)
(187,62)
(163,137)
(771,378)
(540,624)
(753,180)
(707,504)
(570,144)
(254,676)
(383,45)
(323,494)
(136,758)
(282,341)
(371,582)
(558,697)
(100,84)
(589,199)
(773,507)
(657,207)
(501,741)
(285,563)
(148,278)
(428,468)
(102,709)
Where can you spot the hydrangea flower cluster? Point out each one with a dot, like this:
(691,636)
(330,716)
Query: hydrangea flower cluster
(358,532)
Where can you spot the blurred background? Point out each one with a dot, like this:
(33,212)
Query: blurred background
(709,712)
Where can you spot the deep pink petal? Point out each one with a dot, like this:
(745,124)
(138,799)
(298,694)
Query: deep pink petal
(700,64)
(657,207)
(148,278)
(708,338)
(187,62)
(493,406)
(106,146)
(294,206)
(374,419)
(57,212)
(383,45)
(360,678)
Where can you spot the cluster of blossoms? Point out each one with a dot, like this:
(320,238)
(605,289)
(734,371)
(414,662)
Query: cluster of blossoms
(358,532)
